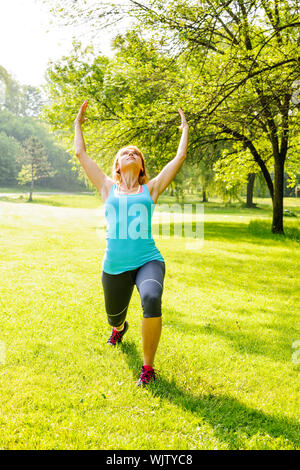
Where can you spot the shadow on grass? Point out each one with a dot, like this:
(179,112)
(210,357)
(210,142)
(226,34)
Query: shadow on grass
(212,230)
(23,199)
(229,417)
(16,200)
(242,342)
(257,231)
(261,229)
(47,201)
(177,206)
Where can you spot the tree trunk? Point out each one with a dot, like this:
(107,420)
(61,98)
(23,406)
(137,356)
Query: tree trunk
(31,191)
(250,187)
(277,224)
(248,144)
(204,196)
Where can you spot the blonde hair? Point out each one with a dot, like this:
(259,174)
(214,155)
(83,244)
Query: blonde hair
(143,176)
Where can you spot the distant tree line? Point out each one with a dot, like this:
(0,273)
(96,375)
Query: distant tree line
(20,121)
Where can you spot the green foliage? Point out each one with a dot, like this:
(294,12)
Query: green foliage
(20,107)
(14,130)
(35,165)
(21,100)
(127,102)
(232,67)
(292,163)
(236,163)
(9,150)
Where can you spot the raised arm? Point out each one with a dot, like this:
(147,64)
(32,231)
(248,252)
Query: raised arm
(99,179)
(165,177)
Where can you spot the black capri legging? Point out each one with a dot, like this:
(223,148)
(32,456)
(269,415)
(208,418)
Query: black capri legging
(118,288)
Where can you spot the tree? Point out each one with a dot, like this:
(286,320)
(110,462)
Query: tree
(23,100)
(9,150)
(258,54)
(14,130)
(35,164)
(127,100)
(32,101)
(5,80)
(20,107)
(242,61)
(250,189)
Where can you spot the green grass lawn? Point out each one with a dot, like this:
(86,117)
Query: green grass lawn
(227,376)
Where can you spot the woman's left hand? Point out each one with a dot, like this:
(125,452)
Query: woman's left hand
(183,120)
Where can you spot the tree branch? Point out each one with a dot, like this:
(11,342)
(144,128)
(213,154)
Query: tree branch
(247,143)
(244,80)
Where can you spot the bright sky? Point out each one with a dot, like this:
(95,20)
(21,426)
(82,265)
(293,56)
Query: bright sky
(28,40)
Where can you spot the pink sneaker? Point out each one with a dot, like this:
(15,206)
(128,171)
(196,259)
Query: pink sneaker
(116,336)
(147,375)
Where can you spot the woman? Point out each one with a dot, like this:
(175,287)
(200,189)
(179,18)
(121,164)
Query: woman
(131,257)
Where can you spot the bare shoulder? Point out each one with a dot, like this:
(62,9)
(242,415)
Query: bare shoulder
(106,187)
(151,185)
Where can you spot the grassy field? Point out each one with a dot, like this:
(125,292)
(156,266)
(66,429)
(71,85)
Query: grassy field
(227,376)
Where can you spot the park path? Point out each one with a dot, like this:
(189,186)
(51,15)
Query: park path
(41,214)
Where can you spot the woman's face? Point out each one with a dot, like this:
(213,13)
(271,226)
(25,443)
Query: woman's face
(129,158)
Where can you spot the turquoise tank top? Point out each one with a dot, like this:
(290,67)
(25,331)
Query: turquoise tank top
(129,241)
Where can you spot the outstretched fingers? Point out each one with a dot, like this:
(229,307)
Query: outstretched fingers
(83,108)
(80,116)
(183,119)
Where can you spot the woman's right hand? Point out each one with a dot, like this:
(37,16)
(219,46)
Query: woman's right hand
(80,119)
